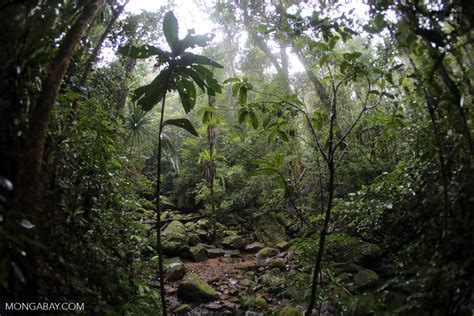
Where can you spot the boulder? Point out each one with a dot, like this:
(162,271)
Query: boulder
(174,238)
(230,232)
(261,303)
(234,242)
(365,279)
(290,311)
(278,263)
(198,252)
(174,269)
(196,290)
(269,230)
(215,252)
(344,248)
(193,239)
(267,252)
(254,247)
(283,245)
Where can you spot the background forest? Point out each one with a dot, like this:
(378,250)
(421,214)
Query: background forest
(306,157)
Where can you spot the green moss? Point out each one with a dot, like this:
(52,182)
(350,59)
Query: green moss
(195,289)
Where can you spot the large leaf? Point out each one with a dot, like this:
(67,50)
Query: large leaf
(155,91)
(211,81)
(193,75)
(182,123)
(170,28)
(187,93)
(190,58)
(141,52)
(191,41)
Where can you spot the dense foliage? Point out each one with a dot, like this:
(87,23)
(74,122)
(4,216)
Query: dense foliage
(361,160)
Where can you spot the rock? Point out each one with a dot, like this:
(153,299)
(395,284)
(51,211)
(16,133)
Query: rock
(344,248)
(215,252)
(234,253)
(283,245)
(235,242)
(290,311)
(261,303)
(195,289)
(174,238)
(278,264)
(267,252)
(246,265)
(254,247)
(164,215)
(268,230)
(203,224)
(365,279)
(183,308)
(174,269)
(203,234)
(272,281)
(198,252)
(193,239)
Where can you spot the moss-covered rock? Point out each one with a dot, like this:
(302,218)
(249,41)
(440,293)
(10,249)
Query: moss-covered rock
(365,279)
(283,245)
(289,311)
(254,247)
(174,269)
(193,239)
(194,289)
(267,252)
(215,252)
(183,308)
(174,238)
(261,303)
(345,248)
(234,242)
(278,263)
(198,252)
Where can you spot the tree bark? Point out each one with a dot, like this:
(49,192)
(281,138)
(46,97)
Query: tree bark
(27,181)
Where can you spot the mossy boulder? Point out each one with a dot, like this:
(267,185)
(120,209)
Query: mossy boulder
(268,229)
(174,238)
(289,311)
(261,303)
(174,269)
(345,248)
(283,245)
(215,252)
(278,263)
(234,242)
(183,308)
(193,239)
(254,247)
(365,279)
(267,252)
(198,253)
(196,290)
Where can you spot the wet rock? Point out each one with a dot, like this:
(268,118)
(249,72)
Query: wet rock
(278,264)
(215,252)
(198,252)
(183,308)
(267,252)
(365,279)
(174,238)
(214,306)
(195,289)
(283,245)
(235,242)
(174,269)
(290,311)
(254,247)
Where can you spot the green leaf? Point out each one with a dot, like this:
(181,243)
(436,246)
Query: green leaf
(191,41)
(188,59)
(155,91)
(211,81)
(193,75)
(187,93)
(170,28)
(236,88)
(253,119)
(352,56)
(243,95)
(230,80)
(267,171)
(388,95)
(182,123)
(242,115)
(141,52)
